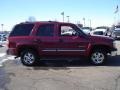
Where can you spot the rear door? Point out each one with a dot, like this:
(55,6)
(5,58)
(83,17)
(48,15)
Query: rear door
(46,39)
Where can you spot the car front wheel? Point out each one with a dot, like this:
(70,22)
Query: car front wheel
(98,57)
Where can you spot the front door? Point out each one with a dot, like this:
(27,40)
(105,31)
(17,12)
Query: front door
(70,42)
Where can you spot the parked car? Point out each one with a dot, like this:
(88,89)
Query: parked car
(100,31)
(3,37)
(33,40)
(116,32)
(86,30)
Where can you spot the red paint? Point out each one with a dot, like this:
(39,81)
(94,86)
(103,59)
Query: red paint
(57,45)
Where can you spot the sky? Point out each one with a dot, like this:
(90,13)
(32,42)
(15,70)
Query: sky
(99,12)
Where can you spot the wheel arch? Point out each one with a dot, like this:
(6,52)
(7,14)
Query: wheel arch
(106,48)
(25,47)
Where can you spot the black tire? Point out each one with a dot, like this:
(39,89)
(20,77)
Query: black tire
(29,58)
(98,57)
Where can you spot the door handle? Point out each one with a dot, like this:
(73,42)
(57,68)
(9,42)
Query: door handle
(37,40)
(75,37)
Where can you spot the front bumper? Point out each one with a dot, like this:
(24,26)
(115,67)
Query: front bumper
(113,52)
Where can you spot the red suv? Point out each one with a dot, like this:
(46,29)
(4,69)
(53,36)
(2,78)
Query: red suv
(33,40)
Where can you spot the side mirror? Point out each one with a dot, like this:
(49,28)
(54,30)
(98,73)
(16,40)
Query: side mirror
(74,33)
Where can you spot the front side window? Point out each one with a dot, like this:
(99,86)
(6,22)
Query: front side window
(67,31)
(45,30)
(22,30)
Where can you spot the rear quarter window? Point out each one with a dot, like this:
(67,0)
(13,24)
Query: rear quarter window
(45,30)
(22,30)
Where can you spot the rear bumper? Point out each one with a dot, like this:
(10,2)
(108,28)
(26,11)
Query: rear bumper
(11,51)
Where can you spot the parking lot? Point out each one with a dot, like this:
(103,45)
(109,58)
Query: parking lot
(60,74)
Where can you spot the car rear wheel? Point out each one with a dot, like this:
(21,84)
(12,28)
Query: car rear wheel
(98,57)
(28,58)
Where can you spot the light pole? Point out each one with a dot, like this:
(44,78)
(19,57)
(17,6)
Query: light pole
(2,32)
(62,15)
(68,18)
(84,21)
(2,26)
(90,22)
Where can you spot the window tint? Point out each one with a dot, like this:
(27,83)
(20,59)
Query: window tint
(45,30)
(22,30)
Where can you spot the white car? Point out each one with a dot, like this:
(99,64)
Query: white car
(86,30)
(116,33)
(99,32)
(3,38)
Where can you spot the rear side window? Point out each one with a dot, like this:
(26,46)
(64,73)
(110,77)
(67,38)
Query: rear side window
(45,30)
(22,30)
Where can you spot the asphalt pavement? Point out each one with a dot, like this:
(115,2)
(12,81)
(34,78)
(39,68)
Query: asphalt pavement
(59,74)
